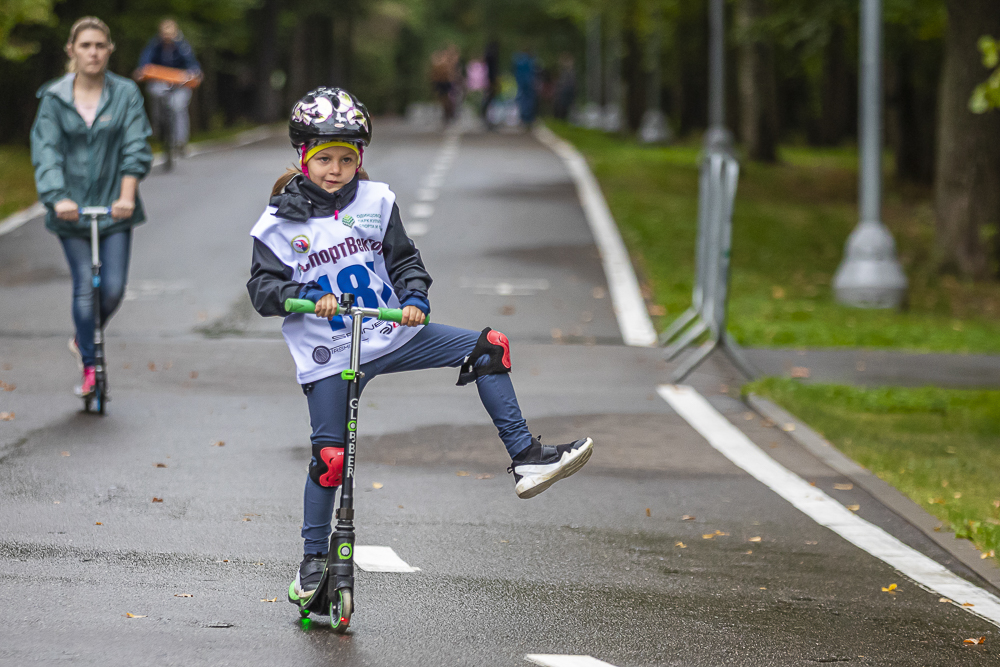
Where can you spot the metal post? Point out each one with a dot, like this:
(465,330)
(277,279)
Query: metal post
(591,115)
(654,128)
(718,137)
(870,276)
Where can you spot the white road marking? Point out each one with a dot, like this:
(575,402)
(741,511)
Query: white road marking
(550,660)
(380,559)
(630,308)
(421,210)
(427,194)
(821,508)
(15,220)
(434,180)
(511,287)
(417,229)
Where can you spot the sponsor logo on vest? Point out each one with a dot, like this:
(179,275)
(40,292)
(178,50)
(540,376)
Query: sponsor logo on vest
(321,354)
(300,243)
(348,221)
(350,246)
(369,220)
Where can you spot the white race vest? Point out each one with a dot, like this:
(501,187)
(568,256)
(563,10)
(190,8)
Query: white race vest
(342,254)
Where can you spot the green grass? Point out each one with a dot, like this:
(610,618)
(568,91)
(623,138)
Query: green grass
(941,447)
(789,227)
(17,180)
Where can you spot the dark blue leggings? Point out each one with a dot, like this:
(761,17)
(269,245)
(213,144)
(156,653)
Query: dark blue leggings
(115,250)
(436,346)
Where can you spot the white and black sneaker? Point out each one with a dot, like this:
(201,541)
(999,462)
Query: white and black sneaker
(307,578)
(538,467)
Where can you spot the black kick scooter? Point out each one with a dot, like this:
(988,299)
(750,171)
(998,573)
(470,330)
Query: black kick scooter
(97,400)
(335,594)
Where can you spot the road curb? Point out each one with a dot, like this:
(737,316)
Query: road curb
(630,308)
(245,138)
(888,495)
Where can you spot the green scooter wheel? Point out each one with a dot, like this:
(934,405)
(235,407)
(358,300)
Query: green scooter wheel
(340,611)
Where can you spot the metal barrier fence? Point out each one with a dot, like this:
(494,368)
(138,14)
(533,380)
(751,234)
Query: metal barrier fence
(710,298)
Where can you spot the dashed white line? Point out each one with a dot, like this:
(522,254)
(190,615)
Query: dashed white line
(421,210)
(630,308)
(824,510)
(427,194)
(417,229)
(551,660)
(380,559)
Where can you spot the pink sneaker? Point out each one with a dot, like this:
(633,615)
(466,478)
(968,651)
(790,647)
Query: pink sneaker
(89,380)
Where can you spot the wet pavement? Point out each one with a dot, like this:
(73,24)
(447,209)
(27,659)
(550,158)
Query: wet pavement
(612,563)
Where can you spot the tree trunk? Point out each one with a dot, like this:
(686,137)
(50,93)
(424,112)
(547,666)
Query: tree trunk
(299,82)
(839,104)
(967,191)
(635,80)
(912,78)
(267,99)
(757,85)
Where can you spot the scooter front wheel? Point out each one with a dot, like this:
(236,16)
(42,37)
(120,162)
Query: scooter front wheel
(340,610)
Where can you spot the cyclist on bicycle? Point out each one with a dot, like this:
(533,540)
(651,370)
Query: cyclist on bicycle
(89,148)
(170,49)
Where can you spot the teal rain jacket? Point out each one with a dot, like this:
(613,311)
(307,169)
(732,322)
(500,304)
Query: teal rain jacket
(85,164)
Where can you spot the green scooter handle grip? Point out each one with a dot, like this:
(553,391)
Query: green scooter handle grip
(306,306)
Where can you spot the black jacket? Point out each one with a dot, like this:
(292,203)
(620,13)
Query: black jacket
(271,280)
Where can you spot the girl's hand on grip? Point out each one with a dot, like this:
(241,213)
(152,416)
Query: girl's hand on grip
(412,316)
(66,209)
(326,307)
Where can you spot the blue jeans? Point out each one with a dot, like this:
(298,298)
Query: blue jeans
(115,251)
(436,346)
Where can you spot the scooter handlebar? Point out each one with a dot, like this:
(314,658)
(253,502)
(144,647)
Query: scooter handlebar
(95,210)
(387,314)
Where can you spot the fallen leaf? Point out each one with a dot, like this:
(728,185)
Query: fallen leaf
(194,375)
(157,500)
(767,423)
(890,589)
(507,310)
(788,428)
(159,465)
(400,507)
(854,508)
(748,552)
(937,529)
(989,554)
(98,523)
(657,310)
(377,485)
(7,387)
(968,604)
(945,600)
(936,501)
(648,512)
(131,615)
(271,600)
(687,517)
(485,475)
(597,293)
(860,366)
(64,453)
(681,545)
(800,372)
(811,542)
(717,533)
(748,416)
(219,443)
(462,473)
(754,539)
(981,640)
(778,292)
(246,518)
(958,494)
(996,503)
(183,595)
(556,334)
(152,366)
(843,487)
(763,588)
(6,416)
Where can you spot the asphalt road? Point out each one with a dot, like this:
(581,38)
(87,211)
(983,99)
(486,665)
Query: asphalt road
(593,566)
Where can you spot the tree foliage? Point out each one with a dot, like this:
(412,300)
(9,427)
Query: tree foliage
(986,96)
(14,13)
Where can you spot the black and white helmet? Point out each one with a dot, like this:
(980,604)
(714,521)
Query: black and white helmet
(329,114)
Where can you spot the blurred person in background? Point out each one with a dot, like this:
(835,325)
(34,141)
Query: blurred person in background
(526,75)
(445,77)
(491,58)
(89,148)
(170,49)
(565,92)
